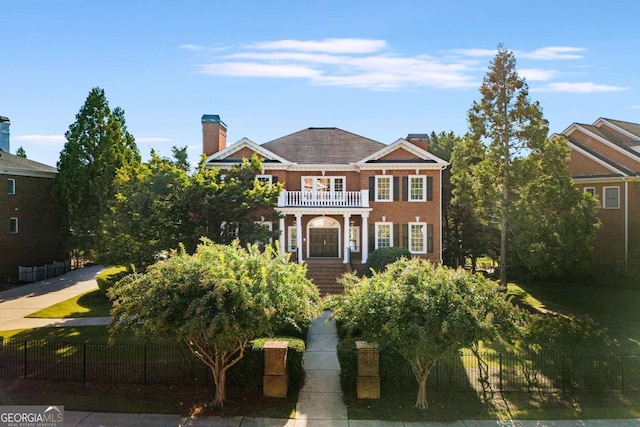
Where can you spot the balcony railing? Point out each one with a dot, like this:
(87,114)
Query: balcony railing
(357,199)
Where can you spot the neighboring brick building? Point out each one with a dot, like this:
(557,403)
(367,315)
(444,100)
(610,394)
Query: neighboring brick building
(344,195)
(605,161)
(29,214)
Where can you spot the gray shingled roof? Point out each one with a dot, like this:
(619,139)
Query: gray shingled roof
(323,145)
(10,163)
(633,128)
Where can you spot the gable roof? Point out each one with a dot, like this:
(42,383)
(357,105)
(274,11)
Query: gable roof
(11,164)
(323,145)
(421,156)
(617,139)
(227,154)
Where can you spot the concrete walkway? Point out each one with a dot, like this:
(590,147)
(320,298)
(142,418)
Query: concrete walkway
(319,402)
(21,301)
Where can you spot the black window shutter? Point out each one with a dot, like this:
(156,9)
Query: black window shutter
(396,235)
(274,179)
(372,188)
(429,188)
(372,237)
(405,236)
(429,238)
(405,188)
(396,188)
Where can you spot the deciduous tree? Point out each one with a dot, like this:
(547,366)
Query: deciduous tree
(216,301)
(422,312)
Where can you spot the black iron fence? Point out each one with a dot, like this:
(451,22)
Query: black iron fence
(171,363)
(544,371)
(143,363)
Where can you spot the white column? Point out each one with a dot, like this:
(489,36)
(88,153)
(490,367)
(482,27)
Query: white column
(283,244)
(299,236)
(345,236)
(365,238)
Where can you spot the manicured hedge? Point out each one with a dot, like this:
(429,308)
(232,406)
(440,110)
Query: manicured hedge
(249,371)
(380,258)
(107,278)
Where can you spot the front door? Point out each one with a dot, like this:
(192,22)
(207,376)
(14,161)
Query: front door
(323,242)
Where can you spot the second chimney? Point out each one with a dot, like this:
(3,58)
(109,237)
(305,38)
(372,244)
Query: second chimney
(214,134)
(419,139)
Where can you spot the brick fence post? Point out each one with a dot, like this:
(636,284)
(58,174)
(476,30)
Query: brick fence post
(368,380)
(275,382)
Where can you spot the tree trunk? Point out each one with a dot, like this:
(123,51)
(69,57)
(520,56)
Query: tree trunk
(421,372)
(219,379)
(421,399)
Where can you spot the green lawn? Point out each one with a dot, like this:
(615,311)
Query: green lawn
(90,304)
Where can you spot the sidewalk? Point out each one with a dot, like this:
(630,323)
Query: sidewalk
(319,403)
(18,302)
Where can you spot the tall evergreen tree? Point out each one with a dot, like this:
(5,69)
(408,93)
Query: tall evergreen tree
(98,144)
(511,125)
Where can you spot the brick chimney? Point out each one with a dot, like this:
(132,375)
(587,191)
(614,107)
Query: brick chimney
(419,140)
(214,134)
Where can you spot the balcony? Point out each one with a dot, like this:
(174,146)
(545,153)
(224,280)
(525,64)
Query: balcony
(338,199)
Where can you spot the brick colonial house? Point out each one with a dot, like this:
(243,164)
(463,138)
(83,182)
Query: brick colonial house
(29,214)
(344,195)
(605,161)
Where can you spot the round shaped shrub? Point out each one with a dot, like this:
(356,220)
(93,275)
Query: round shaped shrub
(107,278)
(380,258)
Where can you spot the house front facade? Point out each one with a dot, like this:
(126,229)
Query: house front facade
(344,195)
(605,161)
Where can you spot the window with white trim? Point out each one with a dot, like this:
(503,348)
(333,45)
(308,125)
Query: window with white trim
(384,188)
(267,225)
(265,179)
(418,237)
(323,187)
(11,186)
(229,231)
(292,244)
(590,190)
(354,238)
(611,197)
(13,227)
(417,188)
(384,234)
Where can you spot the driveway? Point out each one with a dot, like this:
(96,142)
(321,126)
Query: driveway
(18,302)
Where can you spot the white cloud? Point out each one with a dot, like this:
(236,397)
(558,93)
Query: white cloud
(553,53)
(256,69)
(581,87)
(537,74)
(336,46)
(41,139)
(368,64)
(341,62)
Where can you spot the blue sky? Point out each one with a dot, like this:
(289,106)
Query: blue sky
(380,69)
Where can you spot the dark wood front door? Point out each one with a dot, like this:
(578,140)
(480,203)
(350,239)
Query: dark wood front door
(323,242)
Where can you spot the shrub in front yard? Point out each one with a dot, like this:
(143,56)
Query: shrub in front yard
(380,258)
(107,278)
